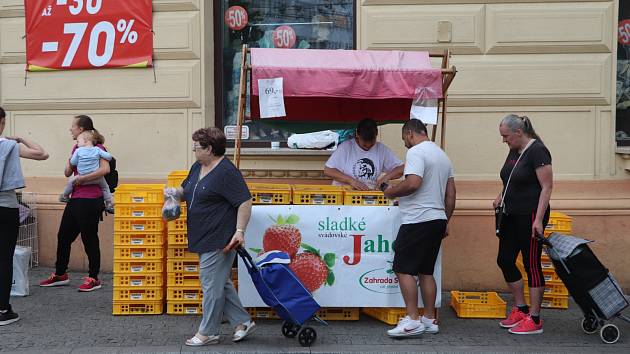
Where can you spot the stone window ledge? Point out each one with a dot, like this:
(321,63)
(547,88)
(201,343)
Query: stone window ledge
(278,152)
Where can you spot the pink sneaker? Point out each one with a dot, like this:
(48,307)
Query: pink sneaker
(55,280)
(90,284)
(527,326)
(514,318)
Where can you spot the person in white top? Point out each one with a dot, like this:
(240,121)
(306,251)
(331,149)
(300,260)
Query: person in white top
(362,162)
(427,200)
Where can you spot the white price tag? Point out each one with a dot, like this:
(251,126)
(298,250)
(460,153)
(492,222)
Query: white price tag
(231,132)
(271,96)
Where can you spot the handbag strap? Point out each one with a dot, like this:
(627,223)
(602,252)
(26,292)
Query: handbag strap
(514,168)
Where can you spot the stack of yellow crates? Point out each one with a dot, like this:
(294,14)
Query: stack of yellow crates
(183,292)
(556,294)
(139,238)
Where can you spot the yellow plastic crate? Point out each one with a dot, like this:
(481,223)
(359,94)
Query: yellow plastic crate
(139,193)
(268,193)
(144,210)
(559,222)
(177,238)
(317,194)
(389,315)
(138,294)
(544,264)
(550,275)
(133,224)
(182,266)
(552,288)
(478,304)
(553,301)
(183,307)
(326,314)
(139,252)
(352,197)
(137,308)
(175,178)
(138,266)
(176,293)
(177,225)
(339,314)
(180,279)
(135,238)
(181,253)
(138,280)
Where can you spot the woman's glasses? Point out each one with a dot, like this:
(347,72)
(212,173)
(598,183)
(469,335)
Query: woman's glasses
(196,147)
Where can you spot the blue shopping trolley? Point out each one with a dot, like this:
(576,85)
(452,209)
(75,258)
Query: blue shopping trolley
(281,290)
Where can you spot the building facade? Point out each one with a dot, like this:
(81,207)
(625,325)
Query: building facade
(555,61)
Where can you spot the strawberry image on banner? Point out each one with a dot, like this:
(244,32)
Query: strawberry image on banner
(283,236)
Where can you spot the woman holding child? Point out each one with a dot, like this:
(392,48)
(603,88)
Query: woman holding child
(82,213)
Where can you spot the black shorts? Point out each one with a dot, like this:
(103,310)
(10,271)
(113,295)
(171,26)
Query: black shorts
(417,246)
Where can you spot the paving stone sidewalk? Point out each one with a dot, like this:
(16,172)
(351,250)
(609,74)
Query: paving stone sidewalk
(62,320)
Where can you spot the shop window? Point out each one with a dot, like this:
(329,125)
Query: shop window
(304,24)
(622,135)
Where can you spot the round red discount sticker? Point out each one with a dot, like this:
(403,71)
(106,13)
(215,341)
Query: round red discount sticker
(624,32)
(284,37)
(236,18)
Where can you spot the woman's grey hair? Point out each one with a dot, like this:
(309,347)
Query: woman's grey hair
(514,122)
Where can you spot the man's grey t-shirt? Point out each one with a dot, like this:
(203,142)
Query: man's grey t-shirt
(212,204)
(428,161)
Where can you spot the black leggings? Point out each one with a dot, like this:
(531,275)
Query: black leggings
(516,236)
(80,216)
(9,228)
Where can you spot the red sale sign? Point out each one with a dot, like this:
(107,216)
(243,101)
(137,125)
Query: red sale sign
(284,37)
(236,18)
(88,34)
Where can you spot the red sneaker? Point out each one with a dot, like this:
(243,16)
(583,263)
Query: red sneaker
(527,326)
(90,284)
(55,280)
(514,318)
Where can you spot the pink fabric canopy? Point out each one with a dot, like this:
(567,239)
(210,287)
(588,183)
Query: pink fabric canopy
(334,85)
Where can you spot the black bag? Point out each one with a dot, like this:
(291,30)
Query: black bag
(112,177)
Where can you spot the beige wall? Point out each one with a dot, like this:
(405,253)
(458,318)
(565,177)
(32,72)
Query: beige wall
(554,61)
(141,115)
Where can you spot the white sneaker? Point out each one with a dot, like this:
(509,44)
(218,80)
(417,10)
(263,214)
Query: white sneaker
(430,325)
(240,334)
(407,328)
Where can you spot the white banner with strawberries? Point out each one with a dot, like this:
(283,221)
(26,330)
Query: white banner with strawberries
(342,254)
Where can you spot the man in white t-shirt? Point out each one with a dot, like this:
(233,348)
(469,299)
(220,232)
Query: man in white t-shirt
(362,162)
(427,201)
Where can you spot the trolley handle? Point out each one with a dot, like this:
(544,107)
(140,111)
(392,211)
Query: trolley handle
(247,259)
(543,240)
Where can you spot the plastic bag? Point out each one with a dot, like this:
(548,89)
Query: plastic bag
(171,210)
(21,257)
(317,140)
(424,106)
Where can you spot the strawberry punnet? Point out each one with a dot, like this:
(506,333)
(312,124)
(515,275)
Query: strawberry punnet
(312,269)
(283,236)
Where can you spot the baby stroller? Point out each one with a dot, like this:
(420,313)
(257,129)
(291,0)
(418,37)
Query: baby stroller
(590,284)
(282,290)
